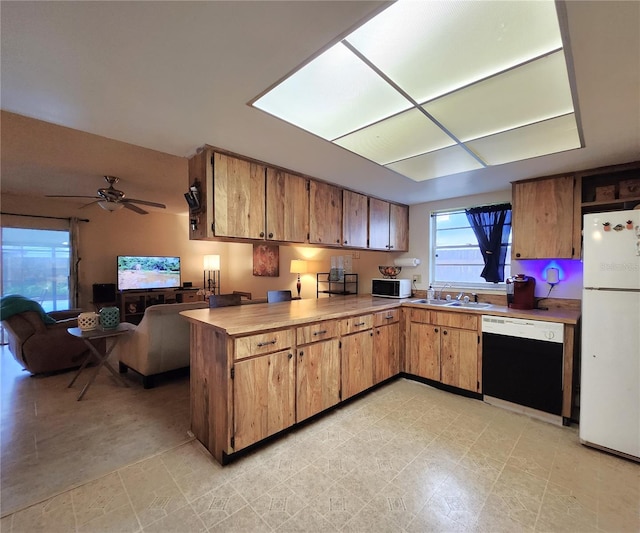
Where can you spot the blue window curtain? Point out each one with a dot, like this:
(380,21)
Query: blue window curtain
(491,225)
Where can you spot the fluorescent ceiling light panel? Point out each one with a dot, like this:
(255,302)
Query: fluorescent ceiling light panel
(531,93)
(432,88)
(443,162)
(405,135)
(548,137)
(333,95)
(430,48)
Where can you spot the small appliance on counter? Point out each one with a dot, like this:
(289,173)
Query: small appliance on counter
(523,292)
(391,288)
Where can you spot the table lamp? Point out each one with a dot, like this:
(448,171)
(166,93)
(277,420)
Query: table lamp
(212,274)
(298,266)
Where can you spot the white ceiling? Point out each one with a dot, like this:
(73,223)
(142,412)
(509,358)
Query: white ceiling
(172,76)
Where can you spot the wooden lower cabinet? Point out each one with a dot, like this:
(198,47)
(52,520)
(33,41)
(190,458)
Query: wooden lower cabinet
(424,351)
(263,397)
(459,358)
(357,363)
(317,378)
(386,345)
(444,347)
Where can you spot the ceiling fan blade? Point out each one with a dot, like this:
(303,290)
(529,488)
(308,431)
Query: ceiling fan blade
(68,196)
(143,202)
(134,208)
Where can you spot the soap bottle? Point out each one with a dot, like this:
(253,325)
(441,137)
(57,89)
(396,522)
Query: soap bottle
(430,293)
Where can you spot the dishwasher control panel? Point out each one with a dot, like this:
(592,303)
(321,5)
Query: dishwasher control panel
(523,328)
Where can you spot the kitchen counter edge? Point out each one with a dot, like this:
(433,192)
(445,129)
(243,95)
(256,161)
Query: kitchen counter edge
(248,319)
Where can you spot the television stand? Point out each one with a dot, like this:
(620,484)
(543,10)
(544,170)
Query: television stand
(134,303)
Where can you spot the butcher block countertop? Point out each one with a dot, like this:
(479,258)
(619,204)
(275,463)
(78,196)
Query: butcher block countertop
(247,319)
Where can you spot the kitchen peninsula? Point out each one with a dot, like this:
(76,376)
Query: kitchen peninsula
(259,369)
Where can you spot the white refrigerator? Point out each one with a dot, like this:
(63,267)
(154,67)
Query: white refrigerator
(610,363)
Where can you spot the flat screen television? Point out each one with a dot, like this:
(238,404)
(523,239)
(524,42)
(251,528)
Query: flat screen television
(136,272)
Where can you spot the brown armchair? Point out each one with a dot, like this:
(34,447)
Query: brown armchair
(41,347)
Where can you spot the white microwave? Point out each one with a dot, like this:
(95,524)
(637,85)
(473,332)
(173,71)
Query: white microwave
(391,288)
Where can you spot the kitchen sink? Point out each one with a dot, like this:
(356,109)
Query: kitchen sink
(455,303)
(431,302)
(470,305)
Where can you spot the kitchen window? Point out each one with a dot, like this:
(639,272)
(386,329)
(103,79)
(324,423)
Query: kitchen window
(456,255)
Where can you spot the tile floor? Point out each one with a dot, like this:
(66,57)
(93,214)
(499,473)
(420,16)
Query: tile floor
(51,442)
(406,458)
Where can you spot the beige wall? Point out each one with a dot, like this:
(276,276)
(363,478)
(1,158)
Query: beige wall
(123,232)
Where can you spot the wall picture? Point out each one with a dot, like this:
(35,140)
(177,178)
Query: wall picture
(266,260)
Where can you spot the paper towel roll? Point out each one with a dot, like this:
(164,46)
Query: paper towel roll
(407,262)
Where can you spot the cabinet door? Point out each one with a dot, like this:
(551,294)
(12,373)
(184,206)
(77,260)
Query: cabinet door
(386,352)
(239,197)
(200,177)
(354,219)
(325,213)
(318,378)
(287,207)
(424,351)
(357,363)
(543,219)
(378,224)
(459,357)
(263,397)
(398,228)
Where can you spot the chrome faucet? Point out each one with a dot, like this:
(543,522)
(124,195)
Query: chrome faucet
(460,296)
(443,288)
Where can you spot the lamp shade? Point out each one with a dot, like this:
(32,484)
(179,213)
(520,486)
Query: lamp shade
(110,206)
(553,276)
(298,266)
(212,262)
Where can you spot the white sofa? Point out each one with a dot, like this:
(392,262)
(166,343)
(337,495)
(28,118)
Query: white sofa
(160,342)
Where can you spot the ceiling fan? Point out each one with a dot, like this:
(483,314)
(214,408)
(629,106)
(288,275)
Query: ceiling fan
(111,199)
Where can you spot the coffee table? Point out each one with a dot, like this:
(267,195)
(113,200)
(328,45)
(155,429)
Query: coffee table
(99,333)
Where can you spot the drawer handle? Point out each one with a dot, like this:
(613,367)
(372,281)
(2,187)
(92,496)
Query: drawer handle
(389,317)
(321,332)
(261,344)
(360,324)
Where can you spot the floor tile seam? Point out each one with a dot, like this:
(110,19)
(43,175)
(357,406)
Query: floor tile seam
(544,493)
(248,505)
(189,503)
(126,491)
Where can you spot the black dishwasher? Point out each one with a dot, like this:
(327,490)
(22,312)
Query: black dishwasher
(522,362)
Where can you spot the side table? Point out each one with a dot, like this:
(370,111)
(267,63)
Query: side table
(99,333)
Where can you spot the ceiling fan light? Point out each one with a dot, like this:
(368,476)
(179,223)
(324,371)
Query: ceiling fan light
(110,206)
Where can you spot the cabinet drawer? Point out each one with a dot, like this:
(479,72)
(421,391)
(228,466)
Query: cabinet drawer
(386,317)
(455,320)
(356,323)
(263,343)
(422,316)
(316,332)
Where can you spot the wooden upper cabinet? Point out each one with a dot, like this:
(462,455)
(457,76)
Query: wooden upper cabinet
(239,197)
(200,177)
(287,207)
(354,219)
(398,228)
(388,226)
(378,224)
(543,219)
(325,214)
